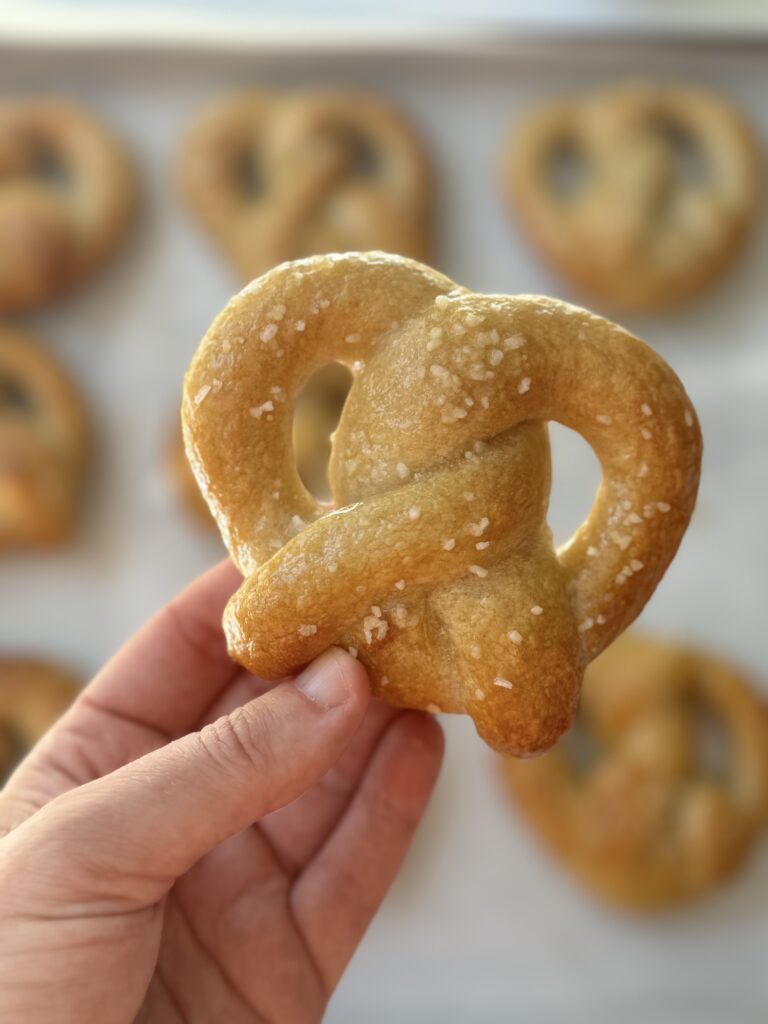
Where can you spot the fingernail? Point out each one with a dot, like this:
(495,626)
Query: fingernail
(324,681)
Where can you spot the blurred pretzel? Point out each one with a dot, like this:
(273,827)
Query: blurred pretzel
(33,694)
(67,192)
(436,564)
(44,444)
(278,176)
(677,790)
(642,194)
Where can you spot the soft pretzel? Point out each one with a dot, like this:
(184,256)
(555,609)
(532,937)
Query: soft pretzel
(276,176)
(642,194)
(659,816)
(33,694)
(44,444)
(67,191)
(436,564)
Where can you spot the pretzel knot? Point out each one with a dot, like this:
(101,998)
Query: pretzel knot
(66,194)
(275,177)
(436,562)
(642,194)
(677,790)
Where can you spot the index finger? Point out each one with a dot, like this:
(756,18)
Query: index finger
(169,672)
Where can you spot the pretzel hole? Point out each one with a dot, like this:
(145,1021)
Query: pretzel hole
(712,742)
(14,399)
(317,412)
(249,175)
(50,168)
(576,476)
(581,747)
(361,159)
(567,169)
(689,161)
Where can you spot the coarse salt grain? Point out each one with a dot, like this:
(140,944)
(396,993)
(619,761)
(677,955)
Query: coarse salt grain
(515,637)
(400,585)
(537,610)
(505,684)
(479,528)
(449,545)
(434,708)
(482,545)
(602,418)
(524,385)
(479,694)
(478,570)
(257,411)
(646,410)
(307,630)
(300,325)
(268,332)
(414,512)
(402,470)
(202,393)
(475,651)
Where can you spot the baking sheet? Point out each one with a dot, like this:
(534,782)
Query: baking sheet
(481,926)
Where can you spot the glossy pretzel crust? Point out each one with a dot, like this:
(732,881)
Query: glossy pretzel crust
(437,564)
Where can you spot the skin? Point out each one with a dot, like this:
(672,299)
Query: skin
(190,843)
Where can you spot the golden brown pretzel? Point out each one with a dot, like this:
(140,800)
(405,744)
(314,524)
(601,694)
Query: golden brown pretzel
(640,193)
(33,694)
(437,563)
(67,191)
(278,176)
(647,824)
(44,444)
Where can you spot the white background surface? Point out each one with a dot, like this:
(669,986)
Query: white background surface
(481,926)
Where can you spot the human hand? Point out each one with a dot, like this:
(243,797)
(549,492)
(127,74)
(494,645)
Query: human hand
(190,843)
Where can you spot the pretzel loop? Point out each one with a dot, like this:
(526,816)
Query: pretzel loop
(437,563)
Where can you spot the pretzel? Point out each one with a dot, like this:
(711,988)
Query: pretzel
(650,822)
(641,194)
(67,192)
(33,694)
(436,563)
(277,176)
(44,444)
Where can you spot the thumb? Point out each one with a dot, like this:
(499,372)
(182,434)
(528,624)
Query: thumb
(155,817)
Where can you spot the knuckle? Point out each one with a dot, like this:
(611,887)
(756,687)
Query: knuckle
(238,741)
